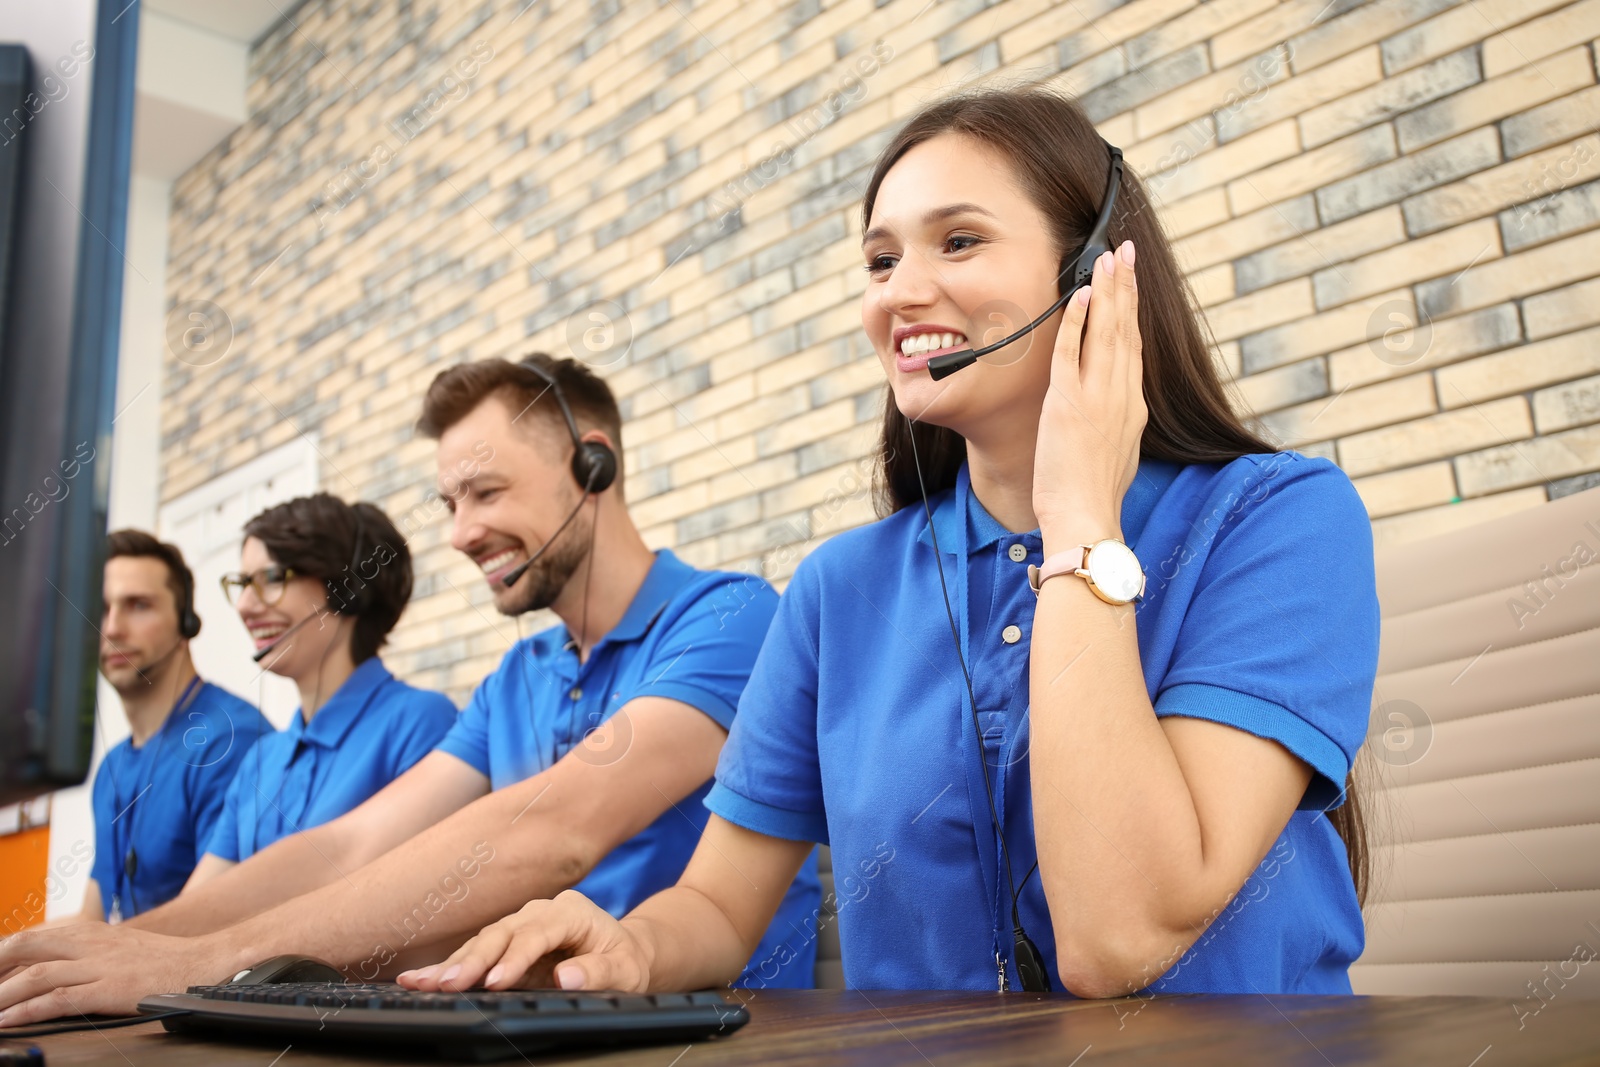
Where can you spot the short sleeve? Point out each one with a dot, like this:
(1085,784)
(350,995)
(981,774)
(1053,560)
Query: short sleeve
(224,840)
(429,719)
(468,737)
(710,648)
(768,776)
(1280,638)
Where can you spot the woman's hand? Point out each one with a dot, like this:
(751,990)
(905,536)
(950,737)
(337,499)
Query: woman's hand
(1094,411)
(593,950)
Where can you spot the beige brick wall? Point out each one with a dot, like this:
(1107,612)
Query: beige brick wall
(1390,209)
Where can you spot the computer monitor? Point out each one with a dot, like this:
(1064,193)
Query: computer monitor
(66,140)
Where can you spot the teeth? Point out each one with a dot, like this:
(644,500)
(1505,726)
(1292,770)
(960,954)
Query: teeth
(495,562)
(919,343)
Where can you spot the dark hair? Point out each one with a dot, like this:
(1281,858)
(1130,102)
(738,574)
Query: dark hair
(1062,165)
(180,579)
(354,549)
(457,391)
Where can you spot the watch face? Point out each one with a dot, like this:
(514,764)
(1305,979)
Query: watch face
(1115,570)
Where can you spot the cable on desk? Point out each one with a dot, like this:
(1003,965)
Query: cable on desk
(86,1023)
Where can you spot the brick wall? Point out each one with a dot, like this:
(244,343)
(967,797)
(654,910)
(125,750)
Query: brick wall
(1389,211)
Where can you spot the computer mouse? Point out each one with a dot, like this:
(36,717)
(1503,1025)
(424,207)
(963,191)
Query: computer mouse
(288,969)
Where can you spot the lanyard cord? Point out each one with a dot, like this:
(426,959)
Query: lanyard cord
(294,755)
(1024,955)
(128,858)
(583,625)
(988,787)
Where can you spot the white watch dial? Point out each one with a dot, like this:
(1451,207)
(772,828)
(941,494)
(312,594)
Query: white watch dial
(1115,570)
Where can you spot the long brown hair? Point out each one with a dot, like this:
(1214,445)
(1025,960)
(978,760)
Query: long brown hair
(1063,165)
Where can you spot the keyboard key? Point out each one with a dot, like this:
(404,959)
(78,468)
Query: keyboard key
(634,1003)
(553,1005)
(671,1000)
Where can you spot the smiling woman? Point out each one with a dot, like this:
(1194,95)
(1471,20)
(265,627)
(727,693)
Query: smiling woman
(1071,800)
(321,584)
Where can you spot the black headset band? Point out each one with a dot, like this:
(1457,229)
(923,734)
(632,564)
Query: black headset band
(594,464)
(1098,240)
(561,400)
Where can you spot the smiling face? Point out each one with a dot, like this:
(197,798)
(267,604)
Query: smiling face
(300,654)
(957,253)
(509,505)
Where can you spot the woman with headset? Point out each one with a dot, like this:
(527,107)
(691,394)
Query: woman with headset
(1080,710)
(321,585)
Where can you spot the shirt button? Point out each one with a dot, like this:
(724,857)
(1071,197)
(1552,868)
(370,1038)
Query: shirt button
(1011,634)
(576,694)
(1018,553)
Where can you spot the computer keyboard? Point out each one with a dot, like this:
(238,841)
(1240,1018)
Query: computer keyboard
(474,1025)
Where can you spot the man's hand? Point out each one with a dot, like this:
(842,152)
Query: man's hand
(95,969)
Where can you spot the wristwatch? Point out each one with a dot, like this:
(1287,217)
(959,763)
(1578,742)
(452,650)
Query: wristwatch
(1109,566)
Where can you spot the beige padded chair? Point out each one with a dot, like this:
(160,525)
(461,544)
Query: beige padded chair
(830,968)
(1484,761)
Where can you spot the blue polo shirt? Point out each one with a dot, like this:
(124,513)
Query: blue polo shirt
(690,636)
(368,734)
(1261,612)
(162,799)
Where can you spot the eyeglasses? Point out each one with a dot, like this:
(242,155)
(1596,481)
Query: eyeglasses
(268,582)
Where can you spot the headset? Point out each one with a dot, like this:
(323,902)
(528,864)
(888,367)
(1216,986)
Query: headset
(594,467)
(352,605)
(188,630)
(1031,969)
(1080,270)
(188,621)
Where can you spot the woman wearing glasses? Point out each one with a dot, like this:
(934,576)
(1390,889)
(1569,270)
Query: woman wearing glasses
(321,585)
(1079,711)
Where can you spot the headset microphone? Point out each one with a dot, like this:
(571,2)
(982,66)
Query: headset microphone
(1081,273)
(261,655)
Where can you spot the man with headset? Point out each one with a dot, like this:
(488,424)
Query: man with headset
(157,795)
(580,762)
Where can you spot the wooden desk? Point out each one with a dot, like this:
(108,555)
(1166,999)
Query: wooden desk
(955,1029)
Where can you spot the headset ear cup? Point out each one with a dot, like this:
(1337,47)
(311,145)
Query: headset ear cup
(188,624)
(595,466)
(1083,270)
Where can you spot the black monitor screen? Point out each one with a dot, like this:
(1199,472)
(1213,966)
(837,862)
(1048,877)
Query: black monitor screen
(66,135)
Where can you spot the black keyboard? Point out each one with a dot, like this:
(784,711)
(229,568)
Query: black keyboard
(474,1025)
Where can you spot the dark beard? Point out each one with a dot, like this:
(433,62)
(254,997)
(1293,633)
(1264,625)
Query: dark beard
(539,587)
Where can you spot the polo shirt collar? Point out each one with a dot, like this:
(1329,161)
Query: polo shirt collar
(959,518)
(667,575)
(333,721)
(983,529)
